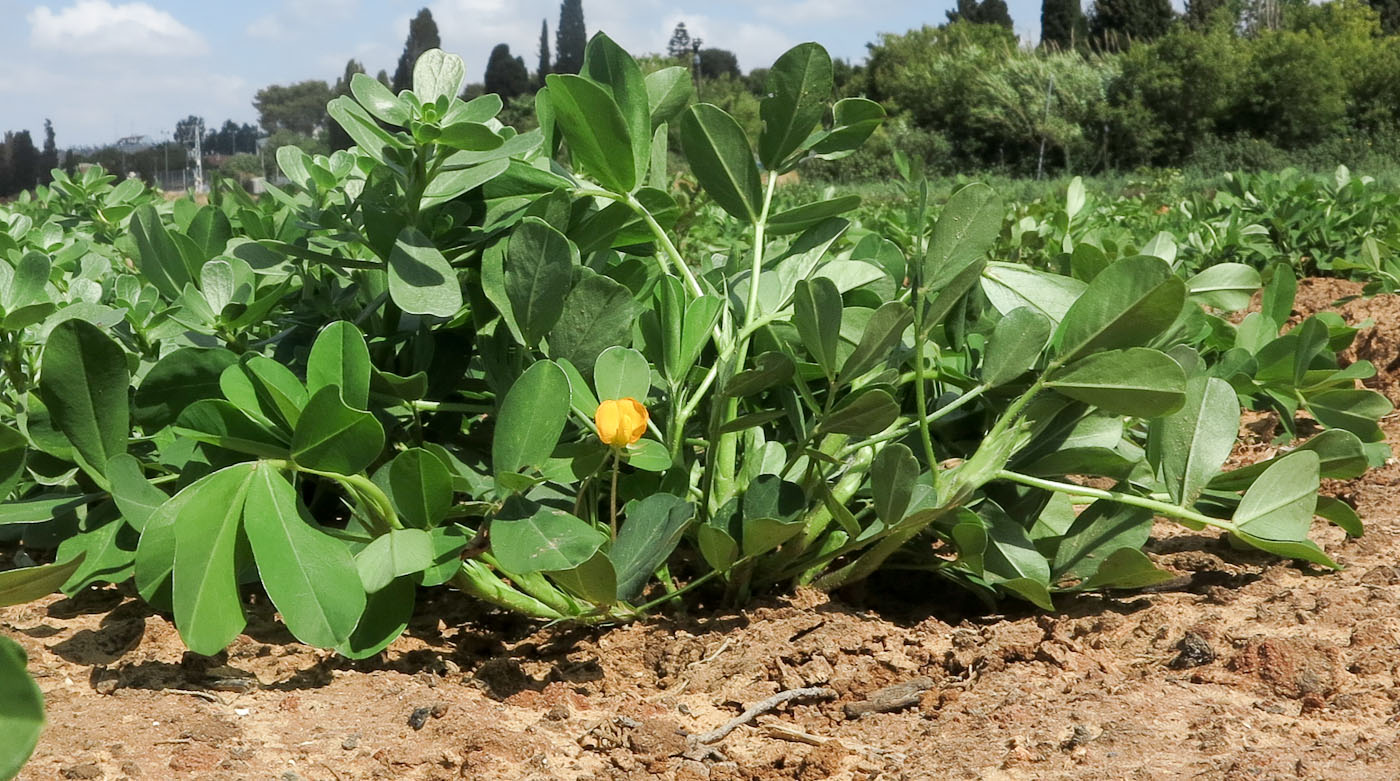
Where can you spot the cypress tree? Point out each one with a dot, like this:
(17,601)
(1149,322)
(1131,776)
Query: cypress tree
(506,75)
(544,52)
(1116,24)
(1060,23)
(24,162)
(422,36)
(48,159)
(337,138)
(1389,11)
(571,38)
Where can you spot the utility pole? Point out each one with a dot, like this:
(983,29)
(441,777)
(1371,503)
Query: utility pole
(695,62)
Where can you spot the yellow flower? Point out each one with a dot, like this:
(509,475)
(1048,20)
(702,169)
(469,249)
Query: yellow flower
(621,421)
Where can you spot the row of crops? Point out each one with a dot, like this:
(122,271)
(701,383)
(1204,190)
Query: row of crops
(529,367)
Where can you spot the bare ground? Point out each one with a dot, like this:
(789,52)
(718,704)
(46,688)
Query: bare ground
(1242,668)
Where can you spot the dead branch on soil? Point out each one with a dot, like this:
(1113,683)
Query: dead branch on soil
(806,693)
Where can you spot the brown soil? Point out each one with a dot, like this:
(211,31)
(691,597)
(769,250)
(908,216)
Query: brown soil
(1243,668)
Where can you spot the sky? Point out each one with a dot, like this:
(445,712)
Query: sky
(104,69)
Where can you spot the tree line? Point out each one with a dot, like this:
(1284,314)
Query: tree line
(23,166)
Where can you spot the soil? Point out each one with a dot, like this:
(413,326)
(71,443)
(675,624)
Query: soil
(1244,667)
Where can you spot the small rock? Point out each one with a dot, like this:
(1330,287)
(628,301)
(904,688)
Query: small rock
(350,742)
(290,776)
(439,710)
(105,686)
(1081,736)
(1195,651)
(419,717)
(891,698)
(87,770)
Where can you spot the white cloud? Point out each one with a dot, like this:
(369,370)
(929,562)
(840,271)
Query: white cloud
(99,27)
(299,18)
(812,10)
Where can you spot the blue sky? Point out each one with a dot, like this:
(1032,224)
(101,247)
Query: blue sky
(102,69)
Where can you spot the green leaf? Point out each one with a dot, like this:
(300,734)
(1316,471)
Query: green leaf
(176,381)
(966,230)
(448,543)
(1138,381)
(612,68)
(398,553)
(1016,343)
(598,135)
(452,182)
(1281,503)
(652,530)
(421,281)
(208,612)
(539,268)
(1305,550)
(437,74)
(853,121)
(157,257)
(1127,568)
(1188,447)
(1351,410)
(265,389)
(219,423)
(361,127)
(308,574)
(594,580)
(134,495)
(722,161)
(893,474)
(1102,529)
(1128,304)
(1009,286)
(772,368)
(532,417)
(18,586)
(648,455)
(547,540)
(865,412)
(1029,589)
(21,709)
(1340,454)
(799,88)
(805,216)
(421,487)
(598,314)
(84,382)
(883,332)
(14,449)
(340,359)
(332,437)
(772,510)
(378,100)
(1227,286)
(1341,514)
(386,616)
(621,372)
(1010,552)
(817,317)
(669,90)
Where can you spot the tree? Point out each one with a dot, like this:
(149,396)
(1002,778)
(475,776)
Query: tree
(422,36)
(300,107)
(1200,13)
(188,129)
(383,78)
(1060,23)
(715,63)
(1116,24)
(985,12)
(24,162)
(506,76)
(1389,11)
(544,53)
(571,37)
(336,137)
(48,160)
(679,47)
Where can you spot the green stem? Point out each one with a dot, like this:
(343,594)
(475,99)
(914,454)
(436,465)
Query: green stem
(478,580)
(902,431)
(1161,508)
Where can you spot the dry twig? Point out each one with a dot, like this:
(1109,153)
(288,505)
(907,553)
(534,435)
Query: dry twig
(807,693)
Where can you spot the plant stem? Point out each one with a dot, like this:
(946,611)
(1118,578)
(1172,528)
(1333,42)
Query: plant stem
(612,501)
(1161,508)
(902,431)
(478,580)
